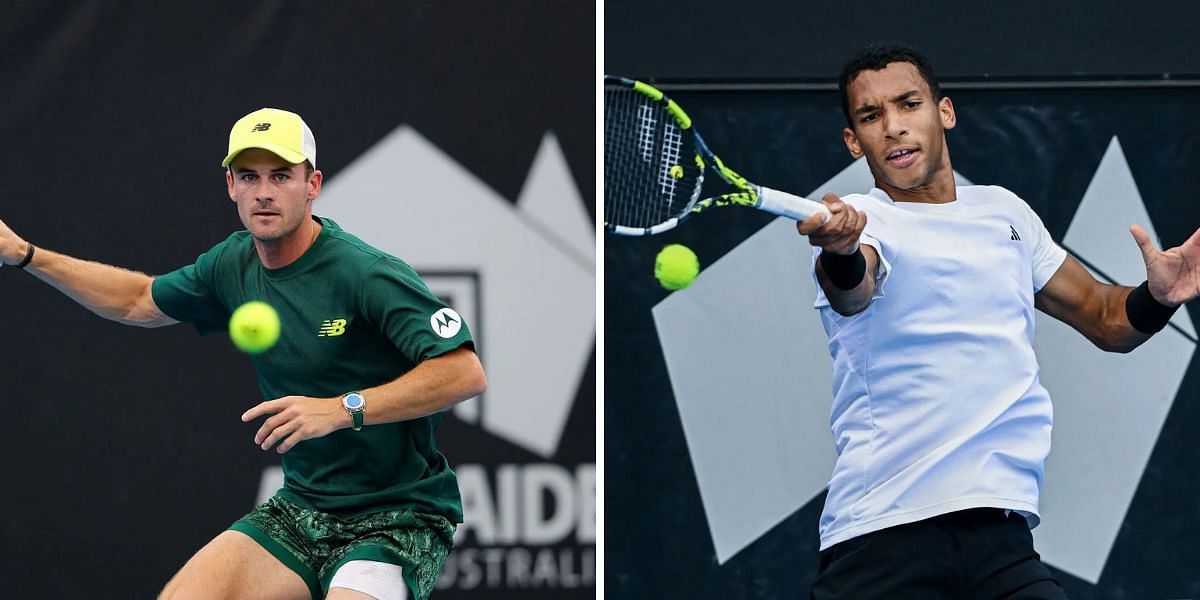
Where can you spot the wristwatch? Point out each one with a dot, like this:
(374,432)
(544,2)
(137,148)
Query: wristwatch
(355,404)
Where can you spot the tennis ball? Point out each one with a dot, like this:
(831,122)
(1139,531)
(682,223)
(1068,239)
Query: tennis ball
(676,267)
(254,327)
(677,171)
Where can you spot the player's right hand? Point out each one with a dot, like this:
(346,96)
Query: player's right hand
(840,233)
(12,247)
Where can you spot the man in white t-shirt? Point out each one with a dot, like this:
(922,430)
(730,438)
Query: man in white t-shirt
(927,292)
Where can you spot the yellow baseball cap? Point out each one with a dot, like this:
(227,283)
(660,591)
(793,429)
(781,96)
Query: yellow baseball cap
(275,130)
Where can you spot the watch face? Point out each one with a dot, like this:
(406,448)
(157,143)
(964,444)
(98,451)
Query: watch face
(353,401)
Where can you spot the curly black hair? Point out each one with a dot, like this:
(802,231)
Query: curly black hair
(877,57)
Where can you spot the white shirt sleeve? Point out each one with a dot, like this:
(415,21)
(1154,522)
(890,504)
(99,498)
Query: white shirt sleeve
(868,238)
(1047,255)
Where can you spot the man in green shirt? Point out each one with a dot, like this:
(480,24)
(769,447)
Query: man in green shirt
(367,359)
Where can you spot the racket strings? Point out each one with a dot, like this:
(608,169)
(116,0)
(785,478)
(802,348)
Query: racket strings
(646,126)
(645,180)
(672,146)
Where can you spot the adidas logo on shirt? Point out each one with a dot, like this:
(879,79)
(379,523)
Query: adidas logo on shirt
(1015,236)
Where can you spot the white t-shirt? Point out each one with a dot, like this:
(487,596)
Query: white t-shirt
(937,405)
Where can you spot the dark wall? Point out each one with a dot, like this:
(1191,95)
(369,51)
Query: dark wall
(123,451)
(762,39)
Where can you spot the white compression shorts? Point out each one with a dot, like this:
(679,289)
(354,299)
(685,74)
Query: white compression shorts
(382,580)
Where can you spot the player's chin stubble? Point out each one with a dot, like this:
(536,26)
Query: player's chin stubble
(273,234)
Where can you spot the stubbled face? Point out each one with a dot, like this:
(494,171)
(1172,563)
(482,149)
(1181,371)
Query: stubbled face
(274,197)
(899,127)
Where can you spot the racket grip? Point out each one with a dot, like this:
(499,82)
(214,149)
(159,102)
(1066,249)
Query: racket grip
(788,205)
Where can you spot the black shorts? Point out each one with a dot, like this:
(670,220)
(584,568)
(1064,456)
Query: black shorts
(977,553)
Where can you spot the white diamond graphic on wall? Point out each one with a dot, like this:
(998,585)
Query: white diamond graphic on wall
(1108,408)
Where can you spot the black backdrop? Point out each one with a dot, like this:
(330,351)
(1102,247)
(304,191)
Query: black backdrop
(123,452)
(756,40)
(1044,144)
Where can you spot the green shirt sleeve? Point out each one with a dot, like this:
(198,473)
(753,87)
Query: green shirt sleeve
(419,324)
(188,294)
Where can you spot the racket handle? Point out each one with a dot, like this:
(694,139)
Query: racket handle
(788,205)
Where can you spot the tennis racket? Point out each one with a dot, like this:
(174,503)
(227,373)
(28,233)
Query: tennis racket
(655,164)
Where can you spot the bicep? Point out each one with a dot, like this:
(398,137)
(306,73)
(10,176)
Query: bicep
(146,312)
(459,368)
(872,257)
(417,322)
(1071,295)
(462,359)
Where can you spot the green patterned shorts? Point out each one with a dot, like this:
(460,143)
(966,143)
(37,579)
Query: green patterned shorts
(315,544)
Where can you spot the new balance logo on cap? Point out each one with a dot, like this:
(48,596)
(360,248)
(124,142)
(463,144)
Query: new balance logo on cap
(279,131)
(1015,236)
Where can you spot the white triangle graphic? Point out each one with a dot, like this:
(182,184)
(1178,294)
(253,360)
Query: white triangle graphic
(1100,230)
(551,200)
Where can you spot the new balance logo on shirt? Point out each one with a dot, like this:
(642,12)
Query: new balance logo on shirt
(1015,237)
(332,328)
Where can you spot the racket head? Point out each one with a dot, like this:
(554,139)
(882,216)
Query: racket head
(653,159)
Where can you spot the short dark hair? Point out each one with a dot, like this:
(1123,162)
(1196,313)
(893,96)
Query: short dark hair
(877,57)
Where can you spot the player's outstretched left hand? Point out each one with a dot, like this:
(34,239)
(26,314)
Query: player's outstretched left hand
(295,419)
(12,247)
(1173,276)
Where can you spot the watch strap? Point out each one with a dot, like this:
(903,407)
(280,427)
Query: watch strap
(28,257)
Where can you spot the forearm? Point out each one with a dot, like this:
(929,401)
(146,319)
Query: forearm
(1129,321)
(1110,330)
(111,292)
(853,300)
(433,386)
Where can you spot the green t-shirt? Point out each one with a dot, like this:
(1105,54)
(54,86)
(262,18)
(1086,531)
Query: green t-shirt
(352,318)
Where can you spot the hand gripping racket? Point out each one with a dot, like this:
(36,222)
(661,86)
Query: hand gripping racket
(655,162)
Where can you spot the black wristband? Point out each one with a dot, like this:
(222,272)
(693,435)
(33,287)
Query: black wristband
(1145,313)
(845,272)
(28,257)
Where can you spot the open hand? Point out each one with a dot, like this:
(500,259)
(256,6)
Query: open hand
(12,247)
(1173,276)
(295,419)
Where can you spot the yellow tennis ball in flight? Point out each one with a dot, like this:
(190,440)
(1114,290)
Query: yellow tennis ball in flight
(676,267)
(254,327)
(677,171)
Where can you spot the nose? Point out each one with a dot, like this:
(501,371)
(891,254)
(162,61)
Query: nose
(894,126)
(262,192)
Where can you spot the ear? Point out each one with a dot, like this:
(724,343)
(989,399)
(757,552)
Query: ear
(946,110)
(229,183)
(314,185)
(852,143)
